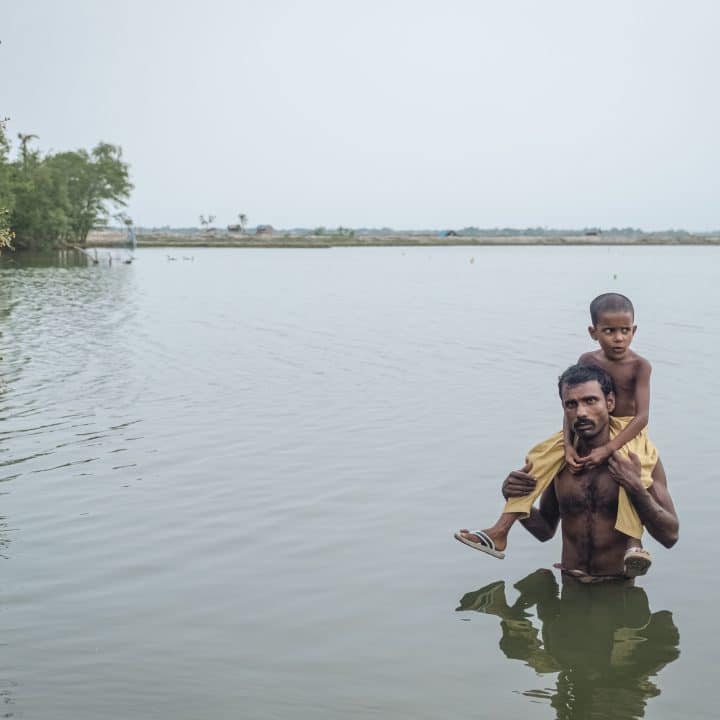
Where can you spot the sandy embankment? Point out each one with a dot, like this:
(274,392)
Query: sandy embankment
(111,238)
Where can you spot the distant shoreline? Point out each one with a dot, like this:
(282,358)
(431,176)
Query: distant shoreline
(225,240)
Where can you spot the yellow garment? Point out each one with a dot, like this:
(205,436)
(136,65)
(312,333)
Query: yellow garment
(548,458)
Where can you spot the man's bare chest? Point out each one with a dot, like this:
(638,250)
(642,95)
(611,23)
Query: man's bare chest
(590,493)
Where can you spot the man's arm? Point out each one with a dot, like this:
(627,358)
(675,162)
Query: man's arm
(654,505)
(543,521)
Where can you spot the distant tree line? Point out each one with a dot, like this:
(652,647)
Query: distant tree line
(54,199)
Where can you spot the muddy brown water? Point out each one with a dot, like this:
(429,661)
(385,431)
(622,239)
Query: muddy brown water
(230,480)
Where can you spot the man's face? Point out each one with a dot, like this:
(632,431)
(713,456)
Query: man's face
(587,410)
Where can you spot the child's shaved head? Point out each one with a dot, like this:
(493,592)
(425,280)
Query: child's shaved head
(610,302)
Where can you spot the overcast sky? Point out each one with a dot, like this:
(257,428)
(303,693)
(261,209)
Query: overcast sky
(409,114)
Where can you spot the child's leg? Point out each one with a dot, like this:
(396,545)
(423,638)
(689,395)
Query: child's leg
(628,521)
(637,559)
(545,461)
(497,534)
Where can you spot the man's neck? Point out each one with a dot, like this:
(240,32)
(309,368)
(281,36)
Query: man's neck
(588,444)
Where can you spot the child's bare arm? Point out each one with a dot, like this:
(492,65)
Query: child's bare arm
(642,408)
(567,434)
(635,426)
(572,459)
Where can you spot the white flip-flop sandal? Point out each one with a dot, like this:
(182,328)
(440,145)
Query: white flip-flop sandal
(485,545)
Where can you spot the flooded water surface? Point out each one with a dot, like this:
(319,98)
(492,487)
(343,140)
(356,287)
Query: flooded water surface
(229,483)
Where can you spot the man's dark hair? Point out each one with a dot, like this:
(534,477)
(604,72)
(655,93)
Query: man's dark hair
(579,374)
(610,302)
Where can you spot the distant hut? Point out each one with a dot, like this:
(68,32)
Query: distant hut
(264,230)
(451,233)
(234,228)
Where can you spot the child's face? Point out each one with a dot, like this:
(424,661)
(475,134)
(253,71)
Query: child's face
(614,331)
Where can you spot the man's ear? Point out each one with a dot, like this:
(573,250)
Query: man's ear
(592,331)
(610,401)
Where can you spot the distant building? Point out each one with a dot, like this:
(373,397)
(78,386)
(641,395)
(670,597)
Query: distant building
(264,230)
(234,228)
(451,233)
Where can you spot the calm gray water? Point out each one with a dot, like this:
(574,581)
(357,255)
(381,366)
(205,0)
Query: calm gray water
(229,486)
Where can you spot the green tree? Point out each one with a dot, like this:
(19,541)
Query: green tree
(6,234)
(40,206)
(24,140)
(94,183)
(6,196)
(59,198)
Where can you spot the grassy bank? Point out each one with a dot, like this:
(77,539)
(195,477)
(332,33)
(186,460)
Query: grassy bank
(110,239)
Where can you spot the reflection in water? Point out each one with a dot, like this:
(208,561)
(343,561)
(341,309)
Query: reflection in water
(45,259)
(601,640)
(58,314)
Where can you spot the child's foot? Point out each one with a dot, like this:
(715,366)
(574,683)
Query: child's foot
(483,540)
(637,561)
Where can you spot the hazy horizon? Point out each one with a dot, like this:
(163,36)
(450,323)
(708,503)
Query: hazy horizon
(329,229)
(393,114)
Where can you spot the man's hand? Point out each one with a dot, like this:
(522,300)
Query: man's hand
(597,457)
(573,461)
(626,471)
(519,482)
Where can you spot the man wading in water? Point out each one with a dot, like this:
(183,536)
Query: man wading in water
(587,502)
